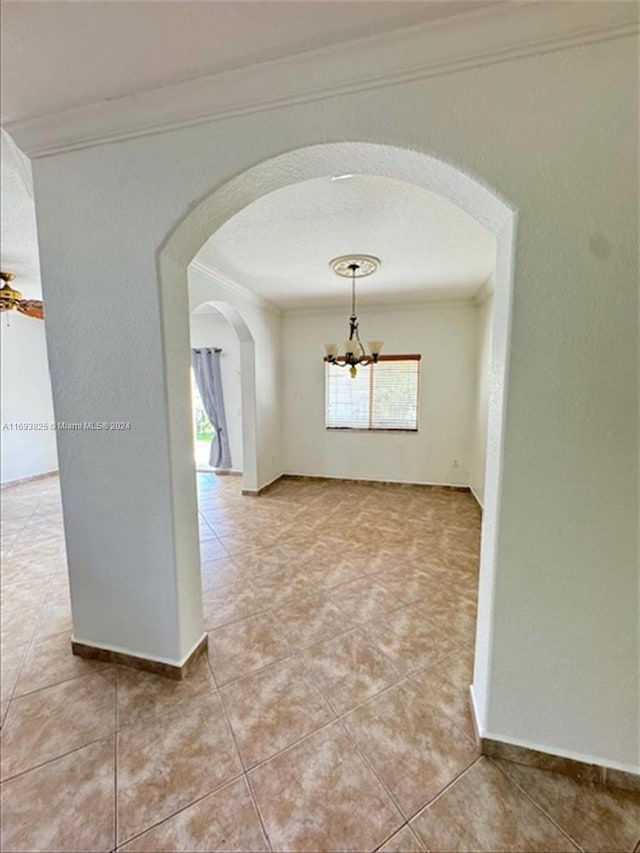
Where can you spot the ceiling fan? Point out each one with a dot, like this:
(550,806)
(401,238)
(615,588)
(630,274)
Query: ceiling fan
(11,300)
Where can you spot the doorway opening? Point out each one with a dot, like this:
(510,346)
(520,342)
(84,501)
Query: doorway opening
(413,167)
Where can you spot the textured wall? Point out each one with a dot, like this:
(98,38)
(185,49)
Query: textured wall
(557,135)
(479,421)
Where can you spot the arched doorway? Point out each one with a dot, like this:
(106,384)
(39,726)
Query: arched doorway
(332,159)
(247,382)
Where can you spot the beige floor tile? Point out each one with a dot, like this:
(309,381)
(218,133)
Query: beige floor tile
(54,618)
(283,587)
(410,639)
(264,560)
(145,697)
(211,549)
(321,796)
(220,572)
(407,583)
(224,821)
(65,805)
(483,811)
(50,661)
(310,620)
(24,593)
(246,646)
(599,819)
(415,748)
(17,627)
(51,722)
(245,542)
(10,663)
(446,686)
(166,764)
(331,570)
(229,603)
(349,669)
(271,710)
(404,841)
(364,599)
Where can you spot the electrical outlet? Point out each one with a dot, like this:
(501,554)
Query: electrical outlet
(456,464)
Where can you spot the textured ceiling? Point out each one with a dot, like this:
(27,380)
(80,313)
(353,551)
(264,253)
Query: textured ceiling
(18,235)
(280,246)
(58,55)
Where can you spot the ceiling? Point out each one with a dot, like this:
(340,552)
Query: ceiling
(59,54)
(18,236)
(280,246)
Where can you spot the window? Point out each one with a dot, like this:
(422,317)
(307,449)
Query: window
(383,396)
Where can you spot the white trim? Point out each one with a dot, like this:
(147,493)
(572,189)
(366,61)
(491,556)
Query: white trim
(108,647)
(478,38)
(235,287)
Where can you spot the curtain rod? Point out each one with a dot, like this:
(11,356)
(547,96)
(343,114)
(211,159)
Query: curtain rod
(208,349)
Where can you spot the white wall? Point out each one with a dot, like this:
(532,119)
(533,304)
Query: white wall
(484,318)
(26,398)
(213,330)
(445,337)
(26,387)
(556,134)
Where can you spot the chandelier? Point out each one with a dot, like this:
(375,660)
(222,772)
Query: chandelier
(353,267)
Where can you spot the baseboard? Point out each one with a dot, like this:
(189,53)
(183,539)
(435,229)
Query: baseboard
(166,668)
(585,771)
(254,493)
(30,479)
(453,486)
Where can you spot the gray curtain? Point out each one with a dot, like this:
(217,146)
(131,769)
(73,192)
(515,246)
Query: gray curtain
(206,368)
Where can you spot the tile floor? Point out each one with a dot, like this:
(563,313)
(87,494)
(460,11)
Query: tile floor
(330,714)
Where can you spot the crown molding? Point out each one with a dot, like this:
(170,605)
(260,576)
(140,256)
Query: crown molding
(234,287)
(250,296)
(480,37)
(364,308)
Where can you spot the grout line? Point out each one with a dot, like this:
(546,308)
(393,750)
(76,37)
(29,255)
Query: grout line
(242,762)
(168,817)
(56,758)
(536,804)
(368,763)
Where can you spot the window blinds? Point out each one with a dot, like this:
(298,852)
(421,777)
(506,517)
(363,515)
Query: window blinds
(383,396)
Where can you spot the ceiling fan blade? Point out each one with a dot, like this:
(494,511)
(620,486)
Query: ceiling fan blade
(31,307)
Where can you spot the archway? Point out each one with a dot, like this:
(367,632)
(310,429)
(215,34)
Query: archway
(332,159)
(247,386)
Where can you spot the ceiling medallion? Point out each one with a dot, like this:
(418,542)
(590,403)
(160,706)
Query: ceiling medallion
(364,265)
